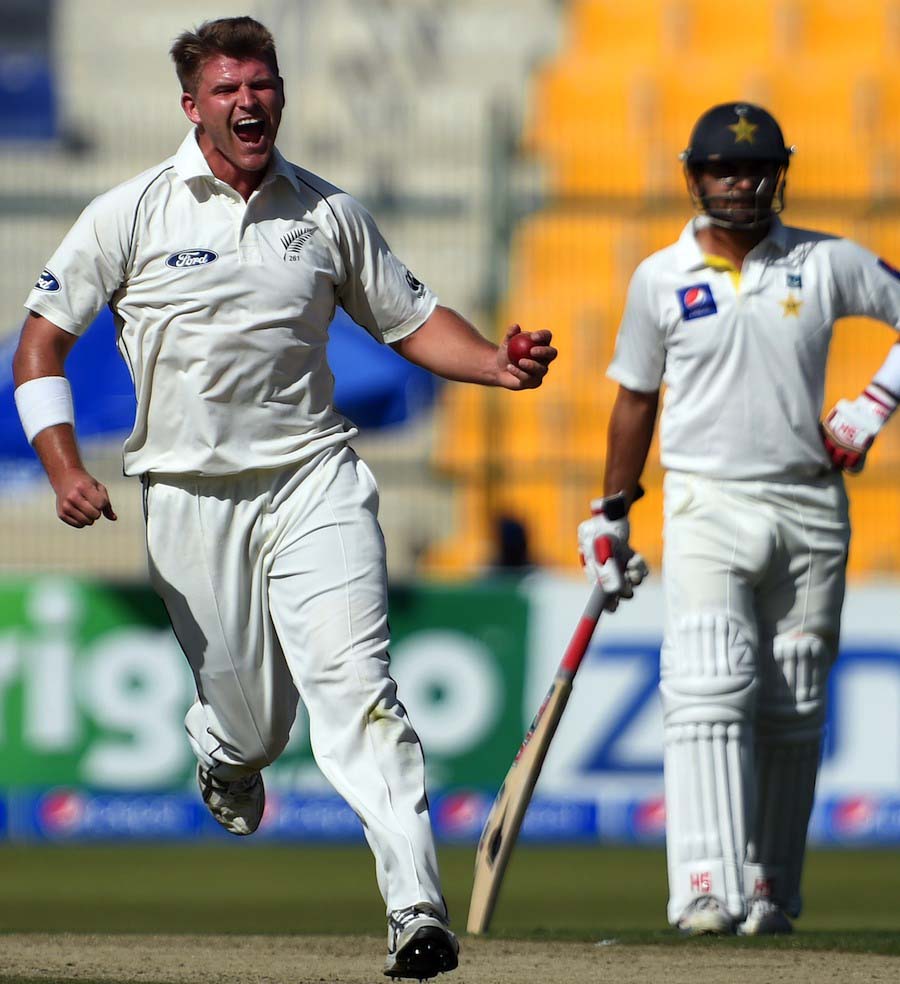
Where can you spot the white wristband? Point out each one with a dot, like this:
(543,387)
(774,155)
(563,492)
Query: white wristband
(888,376)
(44,402)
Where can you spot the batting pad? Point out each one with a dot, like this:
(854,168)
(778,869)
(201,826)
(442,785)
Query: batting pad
(790,720)
(708,690)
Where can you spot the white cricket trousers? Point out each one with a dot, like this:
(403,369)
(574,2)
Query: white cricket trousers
(276,586)
(754,584)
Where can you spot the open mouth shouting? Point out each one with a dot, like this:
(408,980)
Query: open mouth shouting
(237,109)
(251,131)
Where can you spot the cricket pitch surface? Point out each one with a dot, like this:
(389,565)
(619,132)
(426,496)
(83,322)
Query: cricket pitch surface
(172,959)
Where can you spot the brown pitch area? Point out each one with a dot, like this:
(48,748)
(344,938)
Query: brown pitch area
(358,960)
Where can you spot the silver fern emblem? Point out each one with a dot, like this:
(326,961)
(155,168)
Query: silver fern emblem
(295,240)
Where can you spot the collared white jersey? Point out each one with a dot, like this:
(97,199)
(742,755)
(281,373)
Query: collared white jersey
(222,308)
(744,367)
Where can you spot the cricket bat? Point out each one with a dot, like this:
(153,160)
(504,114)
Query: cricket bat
(502,825)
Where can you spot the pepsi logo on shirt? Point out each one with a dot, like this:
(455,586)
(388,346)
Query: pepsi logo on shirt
(696,301)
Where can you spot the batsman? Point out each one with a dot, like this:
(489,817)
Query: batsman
(735,318)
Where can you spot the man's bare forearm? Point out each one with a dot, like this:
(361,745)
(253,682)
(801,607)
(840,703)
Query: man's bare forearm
(80,498)
(41,352)
(628,440)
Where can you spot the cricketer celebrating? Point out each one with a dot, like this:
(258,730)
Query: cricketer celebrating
(736,319)
(223,266)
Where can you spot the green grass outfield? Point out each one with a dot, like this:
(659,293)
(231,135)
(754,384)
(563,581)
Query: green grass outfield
(583,893)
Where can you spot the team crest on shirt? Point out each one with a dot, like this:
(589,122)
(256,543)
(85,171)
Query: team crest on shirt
(46,281)
(892,270)
(794,281)
(697,301)
(294,241)
(188,259)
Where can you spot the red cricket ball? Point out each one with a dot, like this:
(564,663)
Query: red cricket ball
(519,347)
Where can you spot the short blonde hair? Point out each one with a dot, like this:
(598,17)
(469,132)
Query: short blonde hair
(236,37)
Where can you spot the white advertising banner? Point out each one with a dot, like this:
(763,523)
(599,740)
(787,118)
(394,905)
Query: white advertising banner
(609,744)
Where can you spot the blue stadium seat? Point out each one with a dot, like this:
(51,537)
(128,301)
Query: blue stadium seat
(28,109)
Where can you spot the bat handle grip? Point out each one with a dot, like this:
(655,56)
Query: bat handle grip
(581,638)
(595,603)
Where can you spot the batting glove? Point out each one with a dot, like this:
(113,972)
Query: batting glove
(607,558)
(850,428)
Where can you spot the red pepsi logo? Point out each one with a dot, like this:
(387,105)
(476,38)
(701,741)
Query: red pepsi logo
(854,816)
(695,295)
(461,814)
(646,818)
(61,811)
(650,816)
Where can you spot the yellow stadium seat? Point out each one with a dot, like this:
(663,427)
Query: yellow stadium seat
(697,28)
(607,120)
(869,29)
(569,273)
(591,125)
(882,236)
(618,129)
(874,506)
(636,28)
(654,28)
(468,549)
(832,114)
(765,28)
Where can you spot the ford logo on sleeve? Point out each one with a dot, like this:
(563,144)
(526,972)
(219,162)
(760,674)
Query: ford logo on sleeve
(46,281)
(697,301)
(191,258)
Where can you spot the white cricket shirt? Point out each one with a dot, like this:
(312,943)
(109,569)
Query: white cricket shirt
(222,308)
(744,367)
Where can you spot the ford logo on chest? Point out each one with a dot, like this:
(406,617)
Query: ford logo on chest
(191,258)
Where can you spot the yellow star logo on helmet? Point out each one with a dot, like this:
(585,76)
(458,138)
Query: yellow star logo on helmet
(744,130)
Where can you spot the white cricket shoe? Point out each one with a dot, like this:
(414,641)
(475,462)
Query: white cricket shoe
(764,918)
(420,943)
(237,805)
(706,915)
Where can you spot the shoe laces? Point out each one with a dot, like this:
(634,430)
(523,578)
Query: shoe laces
(761,906)
(401,918)
(703,904)
(233,787)
(243,785)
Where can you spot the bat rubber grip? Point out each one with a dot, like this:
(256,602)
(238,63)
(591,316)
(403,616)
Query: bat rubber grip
(581,638)
(578,646)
